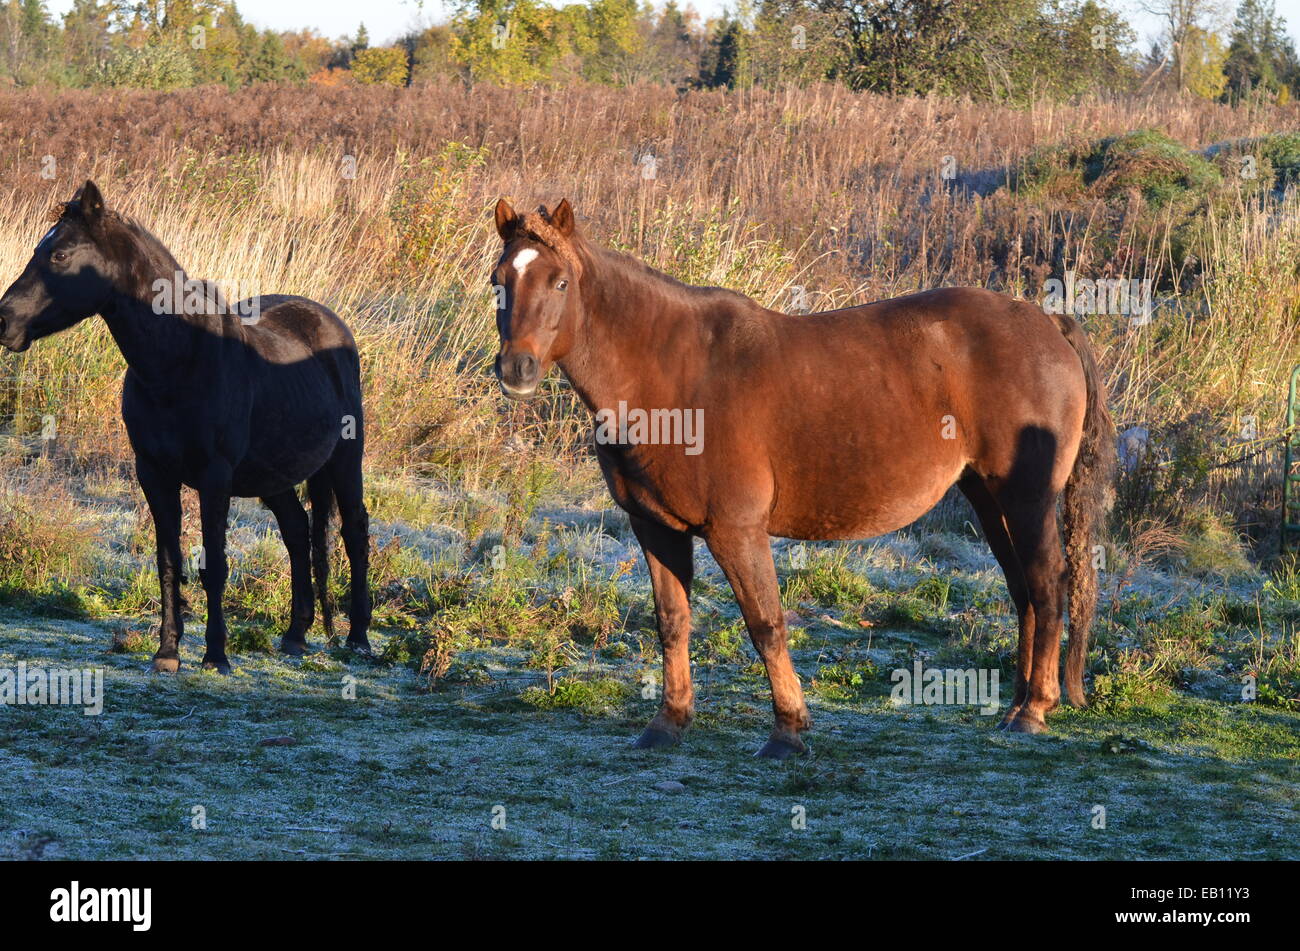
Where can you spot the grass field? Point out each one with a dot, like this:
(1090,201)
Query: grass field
(516,649)
(542,726)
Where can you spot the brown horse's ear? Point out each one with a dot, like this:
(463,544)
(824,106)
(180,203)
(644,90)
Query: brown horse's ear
(562,218)
(89,201)
(507,220)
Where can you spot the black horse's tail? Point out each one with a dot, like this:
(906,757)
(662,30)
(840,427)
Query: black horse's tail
(321,492)
(1086,499)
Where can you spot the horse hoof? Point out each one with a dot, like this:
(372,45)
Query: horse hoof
(294,648)
(1025,723)
(652,738)
(221,666)
(360,647)
(781,747)
(166,665)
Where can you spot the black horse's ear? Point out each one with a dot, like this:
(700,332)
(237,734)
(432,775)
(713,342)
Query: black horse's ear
(507,220)
(89,201)
(562,218)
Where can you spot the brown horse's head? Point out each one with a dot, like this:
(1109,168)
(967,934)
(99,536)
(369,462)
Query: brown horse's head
(538,294)
(68,278)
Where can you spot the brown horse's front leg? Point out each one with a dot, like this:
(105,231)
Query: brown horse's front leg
(670,558)
(746,559)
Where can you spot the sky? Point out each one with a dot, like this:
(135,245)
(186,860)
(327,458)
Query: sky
(387,19)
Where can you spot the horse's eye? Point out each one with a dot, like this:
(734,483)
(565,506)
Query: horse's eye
(59,256)
(562,285)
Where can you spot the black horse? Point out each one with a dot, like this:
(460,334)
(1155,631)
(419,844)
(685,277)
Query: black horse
(247,400)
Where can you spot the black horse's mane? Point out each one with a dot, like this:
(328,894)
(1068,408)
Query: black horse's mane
(142,256)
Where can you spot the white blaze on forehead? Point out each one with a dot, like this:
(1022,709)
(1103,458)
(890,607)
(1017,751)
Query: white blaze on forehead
(522,260)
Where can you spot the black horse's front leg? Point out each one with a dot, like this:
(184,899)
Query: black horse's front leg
(163,494)
(214,506)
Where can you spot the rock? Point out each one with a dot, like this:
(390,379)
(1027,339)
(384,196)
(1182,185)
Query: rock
(670,786)
(1133,443)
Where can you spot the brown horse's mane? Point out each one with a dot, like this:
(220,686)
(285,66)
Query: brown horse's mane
(622,271)
(630,276)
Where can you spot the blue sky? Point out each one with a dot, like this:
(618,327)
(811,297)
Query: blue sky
(387,19)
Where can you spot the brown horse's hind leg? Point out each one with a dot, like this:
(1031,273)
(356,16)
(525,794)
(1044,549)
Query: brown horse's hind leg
(1031,522)
(746,559)
(990,518)
(670,557)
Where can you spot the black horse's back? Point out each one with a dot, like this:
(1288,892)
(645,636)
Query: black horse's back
(304,374)
(286,329)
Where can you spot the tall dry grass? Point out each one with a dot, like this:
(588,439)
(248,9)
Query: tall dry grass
(836,192)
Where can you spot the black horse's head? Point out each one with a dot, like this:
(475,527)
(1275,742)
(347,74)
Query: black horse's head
(539,303)
(69,278)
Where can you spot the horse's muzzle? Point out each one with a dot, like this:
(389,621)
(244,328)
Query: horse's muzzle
(519,374)
(14,344)
(516,394)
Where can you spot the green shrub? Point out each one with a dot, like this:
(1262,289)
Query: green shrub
(596,696)
(159,66)
(1163,170)
(843,681)
(46,551)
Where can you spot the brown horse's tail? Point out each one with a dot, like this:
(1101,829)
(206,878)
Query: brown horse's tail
(321,492)
(1087,497)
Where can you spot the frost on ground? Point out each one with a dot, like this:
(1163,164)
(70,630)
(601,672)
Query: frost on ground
(524,752)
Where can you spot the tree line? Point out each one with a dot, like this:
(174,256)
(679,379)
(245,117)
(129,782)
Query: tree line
(1006,50)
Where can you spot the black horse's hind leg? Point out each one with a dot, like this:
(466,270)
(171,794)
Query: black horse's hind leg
(164,497)
(214,506)
(345,476)
(292,518)
(321,494)
(999,542)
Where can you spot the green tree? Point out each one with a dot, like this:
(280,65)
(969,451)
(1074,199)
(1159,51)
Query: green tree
(29,43)
(86,39)
(605,38)
(222,56)
(510,41)
(272,64)
(429,53)
(381,66)
(994,49)
(726,59)
(1204,56)
(1260,54)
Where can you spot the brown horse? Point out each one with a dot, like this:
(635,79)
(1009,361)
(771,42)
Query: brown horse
(839,425)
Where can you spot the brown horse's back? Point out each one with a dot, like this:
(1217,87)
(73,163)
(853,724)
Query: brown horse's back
(896,393)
